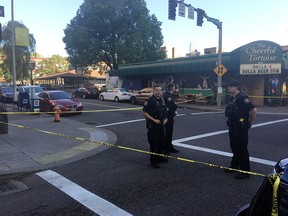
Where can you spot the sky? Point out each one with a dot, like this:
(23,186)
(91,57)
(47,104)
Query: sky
(243,22)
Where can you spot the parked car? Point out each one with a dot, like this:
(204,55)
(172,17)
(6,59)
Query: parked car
(46,87)
(141,96)
(86,93)
(116,94)
(48,100)
(6,94)
(29,89)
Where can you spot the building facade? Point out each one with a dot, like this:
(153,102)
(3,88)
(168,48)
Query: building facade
(261,67)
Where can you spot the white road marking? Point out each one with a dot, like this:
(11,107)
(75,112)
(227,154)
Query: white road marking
(86,198)
(127,122)
(118,123)
(203,113)
(222,153)
(225,131)
(179,142)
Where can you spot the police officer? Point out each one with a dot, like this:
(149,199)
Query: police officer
(155,113)
(171,113)
(241,114)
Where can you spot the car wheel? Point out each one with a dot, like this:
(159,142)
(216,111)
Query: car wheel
(73,95)
(101,97)
(133,100)
(116,99)
(83,96)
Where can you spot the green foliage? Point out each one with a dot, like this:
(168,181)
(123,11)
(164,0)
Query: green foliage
(55,64)
(22,54)
(115,32)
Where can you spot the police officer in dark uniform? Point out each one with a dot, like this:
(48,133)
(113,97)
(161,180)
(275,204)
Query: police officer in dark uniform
(154,111)
(241,114)
(171,113)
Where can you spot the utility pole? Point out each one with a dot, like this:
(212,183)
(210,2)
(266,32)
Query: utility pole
(13,52)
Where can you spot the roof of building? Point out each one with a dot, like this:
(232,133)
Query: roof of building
(195,64)
(71,74)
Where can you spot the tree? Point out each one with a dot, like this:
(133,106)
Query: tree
(55,64)
(22,54)
(114,32)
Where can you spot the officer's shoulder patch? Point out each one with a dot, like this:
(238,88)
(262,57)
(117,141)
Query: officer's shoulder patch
(146,103)
(246,100)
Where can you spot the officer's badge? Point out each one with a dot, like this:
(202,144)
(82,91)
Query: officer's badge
(246,100)
(169,99)
(146,103)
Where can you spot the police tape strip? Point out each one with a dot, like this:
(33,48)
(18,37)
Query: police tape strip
(138,108)
(83,111)
(136,150)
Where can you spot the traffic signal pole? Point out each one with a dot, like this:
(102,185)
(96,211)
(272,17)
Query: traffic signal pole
(200,15)
(219,80)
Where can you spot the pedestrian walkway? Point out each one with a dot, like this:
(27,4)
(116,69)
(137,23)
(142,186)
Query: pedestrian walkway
(24,149)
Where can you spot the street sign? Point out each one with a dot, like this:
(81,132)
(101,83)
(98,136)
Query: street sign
(220,70)
(181,9)
(190,12)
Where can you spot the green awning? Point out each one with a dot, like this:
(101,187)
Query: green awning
(205,63)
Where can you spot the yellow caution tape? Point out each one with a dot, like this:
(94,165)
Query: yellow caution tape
(274,199)
(135,150)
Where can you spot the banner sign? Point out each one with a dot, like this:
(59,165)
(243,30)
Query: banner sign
(261,57)
(252,69)
(22,36)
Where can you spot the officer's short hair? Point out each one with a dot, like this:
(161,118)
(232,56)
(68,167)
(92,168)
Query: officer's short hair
(234,83)
(170,86)
(156,85)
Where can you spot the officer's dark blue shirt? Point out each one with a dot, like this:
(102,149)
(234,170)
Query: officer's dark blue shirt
(155,107)
(238,108)
(170,104)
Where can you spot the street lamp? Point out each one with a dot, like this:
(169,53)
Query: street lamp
(31,66)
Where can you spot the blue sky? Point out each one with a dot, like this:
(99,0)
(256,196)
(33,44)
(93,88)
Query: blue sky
(243,22)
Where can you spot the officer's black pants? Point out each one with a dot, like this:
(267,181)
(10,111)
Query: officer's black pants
(238,135)
(169,133)
(156,139)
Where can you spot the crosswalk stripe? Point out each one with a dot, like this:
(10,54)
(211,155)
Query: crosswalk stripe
(86,198)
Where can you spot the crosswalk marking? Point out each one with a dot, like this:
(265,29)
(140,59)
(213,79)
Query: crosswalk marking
(86,198)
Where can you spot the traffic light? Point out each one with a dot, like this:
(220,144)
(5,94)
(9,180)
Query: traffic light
(200,16)
(172,9)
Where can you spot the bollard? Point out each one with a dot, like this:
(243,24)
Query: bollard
(3,121)
(57,112)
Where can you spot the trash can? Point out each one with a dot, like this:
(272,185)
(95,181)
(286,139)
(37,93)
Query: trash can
(3,120)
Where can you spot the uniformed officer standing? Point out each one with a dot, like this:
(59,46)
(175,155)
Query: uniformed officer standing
(241,114)
(155,113)
(171,113)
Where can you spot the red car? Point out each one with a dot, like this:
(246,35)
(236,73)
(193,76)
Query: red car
(48,99)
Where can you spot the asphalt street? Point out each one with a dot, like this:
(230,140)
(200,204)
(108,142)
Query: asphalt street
(122,175)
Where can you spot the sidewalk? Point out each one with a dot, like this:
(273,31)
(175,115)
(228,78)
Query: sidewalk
(25,150)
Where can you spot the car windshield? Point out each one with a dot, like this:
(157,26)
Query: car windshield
(123,90)
(7,90)
(37,89)
(59,95)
